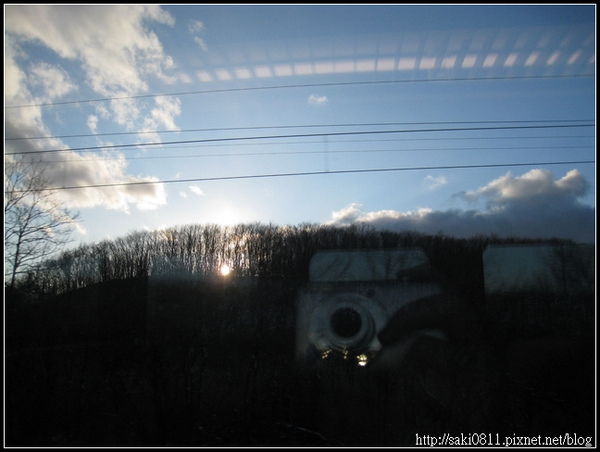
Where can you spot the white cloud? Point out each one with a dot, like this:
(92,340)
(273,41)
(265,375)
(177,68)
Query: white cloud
(88,170)
(347,215)
(66,169)
(110,41)
(201,43)
(118,55)
(53,82)
(435,182)
(315,99)
(20,122)
(535,184)
(152,198)
(195,26)
(197,190)
(111,44)
(534,205)
(97,176)
(14,76)
(162,117)
(92,123)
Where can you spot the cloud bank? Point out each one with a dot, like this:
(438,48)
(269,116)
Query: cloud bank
(533,205)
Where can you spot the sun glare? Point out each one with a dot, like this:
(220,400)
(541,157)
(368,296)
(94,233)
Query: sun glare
(227,216)
(225,269)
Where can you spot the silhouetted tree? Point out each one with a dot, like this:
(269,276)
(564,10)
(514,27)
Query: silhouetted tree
(36,224)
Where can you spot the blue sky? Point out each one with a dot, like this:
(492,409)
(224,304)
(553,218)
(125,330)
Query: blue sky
(431,118)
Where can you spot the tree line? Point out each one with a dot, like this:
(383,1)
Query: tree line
(248,249)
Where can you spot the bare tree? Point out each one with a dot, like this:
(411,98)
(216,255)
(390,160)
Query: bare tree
(36,224)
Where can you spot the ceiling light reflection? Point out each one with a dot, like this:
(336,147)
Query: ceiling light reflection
(427,63)
(469,61)
(406,64)
(553,58)
(490,60)
(531,59)
(485,49)
(510,60)
(574,57)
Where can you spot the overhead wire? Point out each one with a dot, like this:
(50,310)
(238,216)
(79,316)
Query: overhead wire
(383,140)
(304,135)
(306,173)
(549,124)
(293,153)
(302,126)
(303,85)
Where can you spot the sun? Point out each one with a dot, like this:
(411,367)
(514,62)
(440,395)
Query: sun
(225,270)
(227,216)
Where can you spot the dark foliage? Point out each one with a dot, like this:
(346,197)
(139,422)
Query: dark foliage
(140,342)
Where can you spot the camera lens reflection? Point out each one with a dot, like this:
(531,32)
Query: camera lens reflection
(346,322)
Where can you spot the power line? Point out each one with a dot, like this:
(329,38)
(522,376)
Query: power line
(394,140)
(306,173)
(229,129)
(305,85)
(353,151)
(306,135)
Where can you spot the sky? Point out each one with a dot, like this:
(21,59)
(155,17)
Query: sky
(453,119)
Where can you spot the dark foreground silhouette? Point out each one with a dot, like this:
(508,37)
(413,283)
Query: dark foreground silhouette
(192,361)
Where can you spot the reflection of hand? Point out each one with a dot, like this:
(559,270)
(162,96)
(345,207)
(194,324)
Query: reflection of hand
(450,375)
